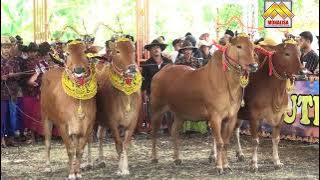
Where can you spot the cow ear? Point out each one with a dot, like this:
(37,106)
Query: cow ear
(56,60)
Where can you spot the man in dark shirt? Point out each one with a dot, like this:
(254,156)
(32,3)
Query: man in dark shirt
(149,68)
(309,58)
(153,64)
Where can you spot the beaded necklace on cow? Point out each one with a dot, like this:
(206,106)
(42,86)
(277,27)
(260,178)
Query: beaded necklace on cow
(233,65)
(272,70)
(119,78)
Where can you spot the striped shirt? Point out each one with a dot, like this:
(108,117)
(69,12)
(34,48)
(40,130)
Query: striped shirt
(310,61)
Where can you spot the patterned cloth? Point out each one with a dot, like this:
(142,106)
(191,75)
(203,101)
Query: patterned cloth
(311,60)
(10,88)
(40,66)
(193,62)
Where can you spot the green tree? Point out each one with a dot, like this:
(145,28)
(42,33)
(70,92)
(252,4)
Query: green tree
(229,10)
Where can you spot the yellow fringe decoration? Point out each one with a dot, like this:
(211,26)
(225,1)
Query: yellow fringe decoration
(290,86)
(84,92)
(119,83)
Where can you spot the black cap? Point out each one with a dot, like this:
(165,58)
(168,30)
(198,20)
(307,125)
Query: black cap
(229,32)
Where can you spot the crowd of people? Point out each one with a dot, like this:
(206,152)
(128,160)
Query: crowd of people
(22,67)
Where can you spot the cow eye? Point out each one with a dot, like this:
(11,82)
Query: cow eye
(239,47)
(287,54)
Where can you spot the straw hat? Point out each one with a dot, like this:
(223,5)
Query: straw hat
(5,40)
(268,42)
(204,43)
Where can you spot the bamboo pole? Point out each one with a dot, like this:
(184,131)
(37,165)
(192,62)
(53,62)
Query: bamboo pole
(138,31)
(45,21)
(34,21)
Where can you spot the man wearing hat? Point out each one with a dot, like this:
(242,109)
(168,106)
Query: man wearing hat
(204,47)
(10,92)
(228,35)
(187,50)
(153,65)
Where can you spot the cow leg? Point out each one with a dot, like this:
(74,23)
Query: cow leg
(176,126)
(275,142)
(213,152)
(215,123)
(255,143)
(81,143)
(70,151)
(101,137)
(239,153)
(116,137)
(88,165)
(47,126)
(226,134)
(155,125)
(123,161)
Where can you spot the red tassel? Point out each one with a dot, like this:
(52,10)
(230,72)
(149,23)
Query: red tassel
(270,65)
(224,66)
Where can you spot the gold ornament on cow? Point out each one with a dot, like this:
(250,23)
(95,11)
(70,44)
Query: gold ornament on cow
(290,86)
(244,81)
(119,82)
(83,92)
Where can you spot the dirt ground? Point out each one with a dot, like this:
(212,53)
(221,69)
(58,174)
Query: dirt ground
(301,161)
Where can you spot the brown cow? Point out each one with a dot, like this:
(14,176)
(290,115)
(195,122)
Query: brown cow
(119,99)
(211,93)
(67,101)
(267,96)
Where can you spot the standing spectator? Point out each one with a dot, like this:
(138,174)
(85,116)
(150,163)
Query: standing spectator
(10,93)
(228,35)
(309,58)
(151,67)
(204,47)
(177,46)
(108,51)
(187,50)
(31,91)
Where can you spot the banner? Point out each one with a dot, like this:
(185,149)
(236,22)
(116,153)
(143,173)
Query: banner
(301,122)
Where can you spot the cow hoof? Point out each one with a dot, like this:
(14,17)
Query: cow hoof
(227,169)
(278,165)
(86,166)
(123,172)
(178,162)
(78,176)
(212,159)
(220,171)
(47,170)
(240,157)
(254,169)
(154,161)
(72,177)
(101,164)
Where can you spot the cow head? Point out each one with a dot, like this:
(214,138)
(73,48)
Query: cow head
(123,57)
(286,59)
(77,64)
(241,52)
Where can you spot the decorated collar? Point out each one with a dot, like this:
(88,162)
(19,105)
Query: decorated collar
(124,83)
(82,92)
